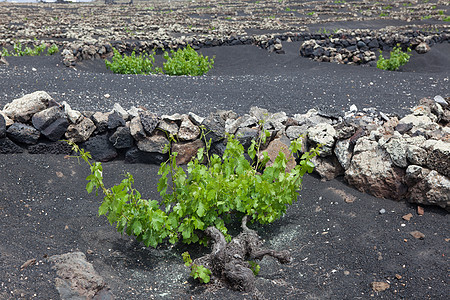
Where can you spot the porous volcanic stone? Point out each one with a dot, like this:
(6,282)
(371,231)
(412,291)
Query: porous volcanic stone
(122,138)
(427,187)
(134,155)
(215,127)
(136,129)
(100,148)
(439,157)
(323,134)
(58,147)
(371,171)
(2,127)
(115,120)
(80,132)
(101,121)
(155,143)
(77,278)
(275,147)
(149,121)
(22,133)
(188,131)
(9,147)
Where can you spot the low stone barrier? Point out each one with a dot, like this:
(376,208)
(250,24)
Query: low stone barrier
(343,46)
(406,158)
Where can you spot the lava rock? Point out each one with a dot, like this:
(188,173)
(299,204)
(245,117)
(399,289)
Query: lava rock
(80,132)
(9,147)
(59,147)
(22,133)
(43,119)
(115,120)
(187,151)
(156,143)
(100,148)
(149,121)
(121,138)
(56,129)
(134,155)
(2,127)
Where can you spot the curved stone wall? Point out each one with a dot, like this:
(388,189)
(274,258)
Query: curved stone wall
(407,158)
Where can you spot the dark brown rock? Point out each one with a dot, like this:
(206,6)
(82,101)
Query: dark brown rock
(186,151)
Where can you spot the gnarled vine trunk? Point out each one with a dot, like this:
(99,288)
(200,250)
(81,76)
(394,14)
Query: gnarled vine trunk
(228,262)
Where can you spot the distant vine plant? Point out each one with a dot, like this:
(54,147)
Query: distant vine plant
(397,58)
(187,62)
(182,62)
(132,64)
(19,50)
(210,193)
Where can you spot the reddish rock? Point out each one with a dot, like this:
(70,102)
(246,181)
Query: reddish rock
(417,234)
(275,147)
(407,217)
(420,210)
(186,151)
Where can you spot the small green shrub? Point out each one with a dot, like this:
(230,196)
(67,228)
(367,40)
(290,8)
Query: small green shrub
(214,191)
(18,50)
(397,59)
(132,64)
(53,49)
(205,195)
(187,62)
(446,19)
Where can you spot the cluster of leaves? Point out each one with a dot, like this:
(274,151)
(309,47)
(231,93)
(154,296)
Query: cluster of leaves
(18,50)
(187,62)
(133,64)
(397,59)
(182,62)
(197,271)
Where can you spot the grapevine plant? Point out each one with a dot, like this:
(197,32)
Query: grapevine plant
(187,62)
(397,58)
(182,62)
(207,195)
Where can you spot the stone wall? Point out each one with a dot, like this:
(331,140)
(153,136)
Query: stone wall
(406,158)
(343,46)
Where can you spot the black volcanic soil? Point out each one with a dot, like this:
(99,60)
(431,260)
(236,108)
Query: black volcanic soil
(339,247)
